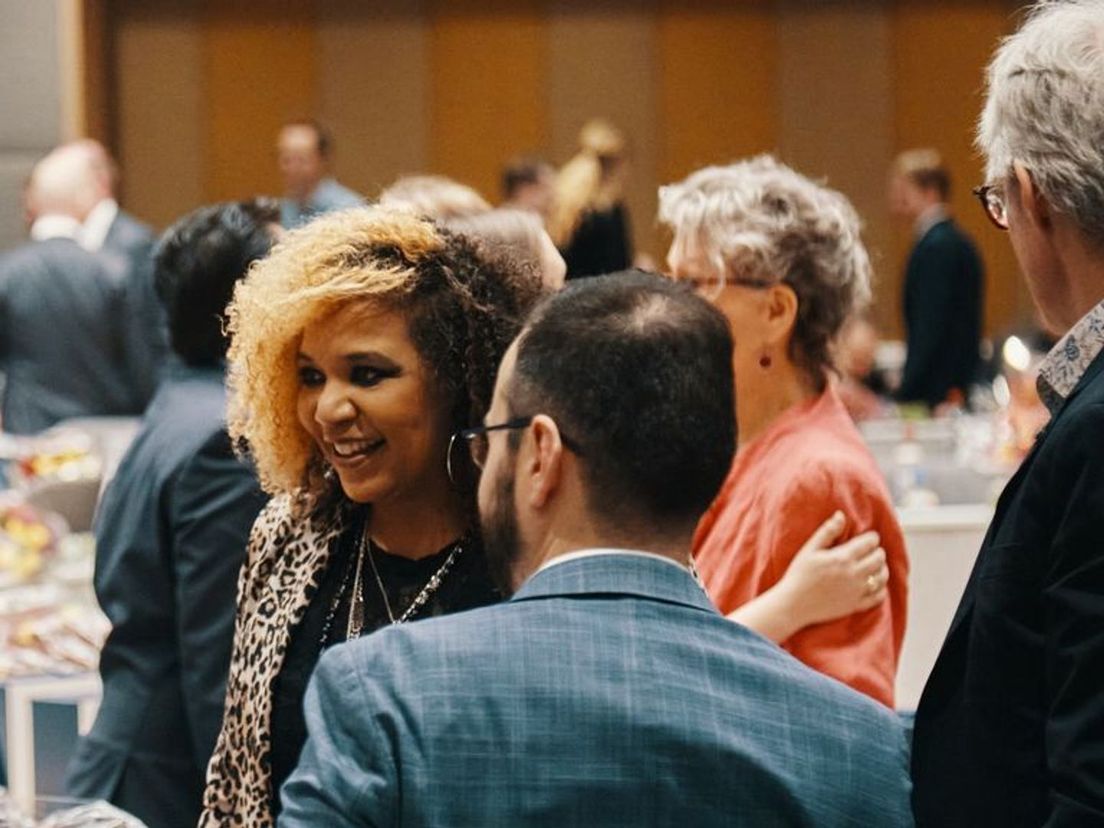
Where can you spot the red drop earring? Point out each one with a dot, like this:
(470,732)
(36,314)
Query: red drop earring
(765,361)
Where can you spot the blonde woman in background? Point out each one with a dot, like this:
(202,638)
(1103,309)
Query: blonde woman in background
(589,222)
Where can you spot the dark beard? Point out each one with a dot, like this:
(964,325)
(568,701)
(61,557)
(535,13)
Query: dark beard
(501,538)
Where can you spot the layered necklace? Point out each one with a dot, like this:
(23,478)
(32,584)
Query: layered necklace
(355,624)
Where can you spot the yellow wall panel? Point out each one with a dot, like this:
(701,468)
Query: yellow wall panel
(160,109)
(836,99)
(373,85)
(717,96)
(486,91)
(259,71)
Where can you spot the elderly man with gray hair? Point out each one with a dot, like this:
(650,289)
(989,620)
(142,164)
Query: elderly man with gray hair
(1010,729)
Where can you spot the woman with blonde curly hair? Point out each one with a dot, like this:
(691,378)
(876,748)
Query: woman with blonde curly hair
(359,347)
(782,258)
(588,222)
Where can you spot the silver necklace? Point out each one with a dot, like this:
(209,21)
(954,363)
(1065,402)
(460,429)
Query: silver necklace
(356,608)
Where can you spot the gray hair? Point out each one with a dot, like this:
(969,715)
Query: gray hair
(1045,109)
(759,219)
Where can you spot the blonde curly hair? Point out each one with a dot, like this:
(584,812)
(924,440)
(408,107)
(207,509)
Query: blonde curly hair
(462,313)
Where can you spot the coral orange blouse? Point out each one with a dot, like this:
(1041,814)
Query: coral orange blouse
(810,462)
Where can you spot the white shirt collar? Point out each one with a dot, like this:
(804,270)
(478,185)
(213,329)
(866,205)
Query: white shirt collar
(55,226)
(98,224)
(594,553)
(929,218)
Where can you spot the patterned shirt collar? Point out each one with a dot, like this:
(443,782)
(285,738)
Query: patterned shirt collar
(1070,358)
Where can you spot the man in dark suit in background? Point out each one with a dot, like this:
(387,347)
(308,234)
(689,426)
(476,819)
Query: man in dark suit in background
(1010,728)
(117,234)
(609,691)
(62,345)
(943,286)
(170,538)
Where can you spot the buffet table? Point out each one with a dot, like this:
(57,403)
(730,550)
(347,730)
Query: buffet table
(51,629)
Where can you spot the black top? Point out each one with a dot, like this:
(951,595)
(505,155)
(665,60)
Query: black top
(466,585)
(600,244)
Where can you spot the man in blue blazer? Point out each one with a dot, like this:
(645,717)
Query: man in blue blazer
(608,690)
(1010,728)
(170,538)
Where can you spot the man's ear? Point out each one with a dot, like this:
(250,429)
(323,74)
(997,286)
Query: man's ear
(544,465)
(780,308)
(1033,204)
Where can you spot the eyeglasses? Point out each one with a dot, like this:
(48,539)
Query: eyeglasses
(991,197)
(479,446)
(476,438)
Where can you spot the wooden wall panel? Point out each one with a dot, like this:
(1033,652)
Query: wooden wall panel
(97,72)
(373,88)
(458,86)
(835,96)
(161,111)
(717,97)
(259,71)
(940,51)
(602,62)
(487,99)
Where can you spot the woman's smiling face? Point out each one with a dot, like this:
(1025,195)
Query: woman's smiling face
(370,404)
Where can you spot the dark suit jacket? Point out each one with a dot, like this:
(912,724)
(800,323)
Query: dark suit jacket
(1010,729)
(943,313)
(62,345)
(131,242)
(170,536)
(608,692)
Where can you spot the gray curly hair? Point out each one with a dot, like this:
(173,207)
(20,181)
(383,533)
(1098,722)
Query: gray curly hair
(759,219)
(1045,109)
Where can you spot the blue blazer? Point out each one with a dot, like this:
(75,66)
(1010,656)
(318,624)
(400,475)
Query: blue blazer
(131,244)
(170,538)
(62,344)
(608,692)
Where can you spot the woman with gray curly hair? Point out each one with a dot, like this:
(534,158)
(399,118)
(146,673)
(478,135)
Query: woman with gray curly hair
(782,258)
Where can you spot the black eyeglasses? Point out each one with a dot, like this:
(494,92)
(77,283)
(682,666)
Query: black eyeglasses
(478,445)
(991,197)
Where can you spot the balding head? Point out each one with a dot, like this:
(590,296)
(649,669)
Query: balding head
(64,183)
(102,164)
